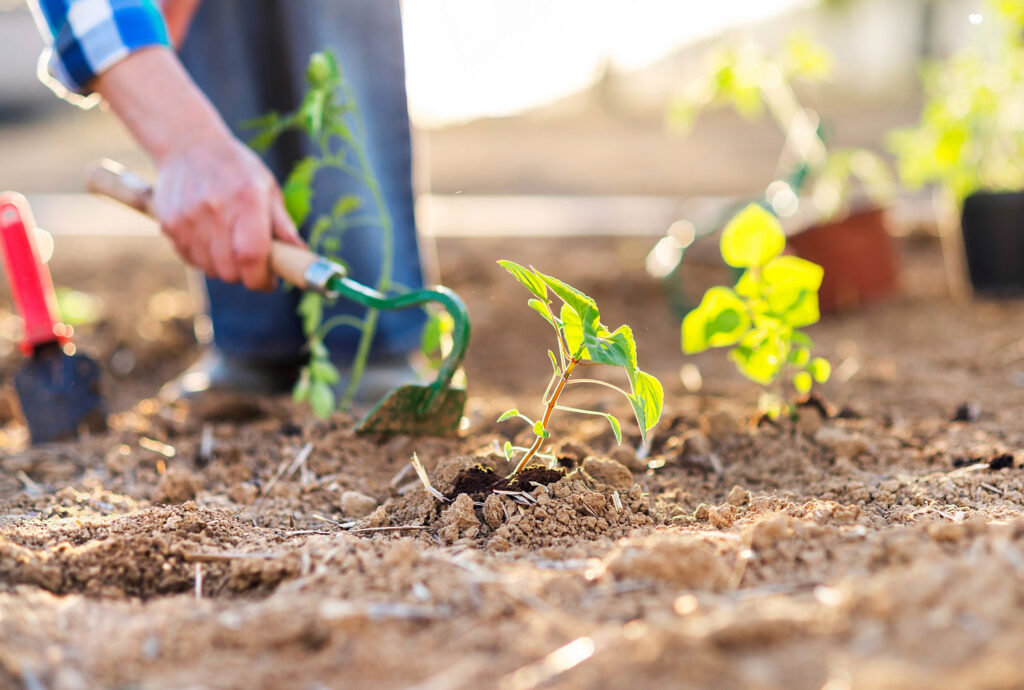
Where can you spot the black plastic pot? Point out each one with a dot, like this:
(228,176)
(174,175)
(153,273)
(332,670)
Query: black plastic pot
(993,232)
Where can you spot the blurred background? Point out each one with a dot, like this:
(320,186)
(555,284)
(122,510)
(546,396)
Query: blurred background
(532,98)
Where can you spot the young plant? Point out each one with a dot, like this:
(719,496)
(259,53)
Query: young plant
(329,115)
(969,136)
(581,340)
(761,316)
(745,79)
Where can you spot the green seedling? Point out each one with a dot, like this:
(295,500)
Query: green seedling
(582,340)
(761,316)
(329,115)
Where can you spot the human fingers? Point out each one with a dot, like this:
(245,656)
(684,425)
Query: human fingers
(251,245)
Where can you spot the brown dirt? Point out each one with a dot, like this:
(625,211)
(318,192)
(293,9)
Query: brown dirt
(873,544)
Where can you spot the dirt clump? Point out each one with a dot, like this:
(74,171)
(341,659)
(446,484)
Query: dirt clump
(146,554)
(357,505)
(679,559)
(177,485)
(568,513)
(459,520)
(609,473)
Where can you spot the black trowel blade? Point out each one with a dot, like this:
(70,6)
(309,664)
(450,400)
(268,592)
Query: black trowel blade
(59,394)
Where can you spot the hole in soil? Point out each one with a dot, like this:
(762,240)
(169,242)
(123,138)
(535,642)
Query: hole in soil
(479,480)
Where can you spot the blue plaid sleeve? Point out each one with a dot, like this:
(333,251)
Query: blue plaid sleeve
(90,36)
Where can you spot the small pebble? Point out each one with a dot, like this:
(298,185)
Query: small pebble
(357,505)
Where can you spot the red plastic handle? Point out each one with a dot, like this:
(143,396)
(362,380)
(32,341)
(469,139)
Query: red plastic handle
(28,277)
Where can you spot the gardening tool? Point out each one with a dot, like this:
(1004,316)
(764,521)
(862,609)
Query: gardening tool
(59,392)
(434,409)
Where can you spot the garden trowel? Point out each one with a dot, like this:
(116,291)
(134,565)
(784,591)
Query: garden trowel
(434,409)
(58,390)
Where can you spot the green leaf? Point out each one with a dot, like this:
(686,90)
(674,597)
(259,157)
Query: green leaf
(554,362)
(527,277)
(439,324)
(322,69)
(346,205)
(311,309)
(617,349)
(820,369)
(647,399)
(572,328)
(752,238)
(804,311)
(792,289)
(760,362)
(538,428)
(616,427)
(300,393)
(542,309)
(802,382)
(323,370)
(508,450)
(321,399)
(298,190)
(317,349)
(792,272)
(508,414)
(270,127)
(720,320)
(799,356)
(580,303)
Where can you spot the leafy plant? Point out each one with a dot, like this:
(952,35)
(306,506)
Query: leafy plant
(969,136)
(582,340)
(761,316)
(744,78)
(329,115)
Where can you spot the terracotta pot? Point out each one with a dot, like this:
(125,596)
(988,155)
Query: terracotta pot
(859,258)
(993,234)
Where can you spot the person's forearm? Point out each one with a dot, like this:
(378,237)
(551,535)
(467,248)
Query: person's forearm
(159,103)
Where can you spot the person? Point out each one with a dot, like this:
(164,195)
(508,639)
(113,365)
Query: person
(220,203)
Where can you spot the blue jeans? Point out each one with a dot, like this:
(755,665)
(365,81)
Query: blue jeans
(249,57)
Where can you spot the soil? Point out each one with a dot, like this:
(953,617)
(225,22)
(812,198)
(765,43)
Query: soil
(878,542)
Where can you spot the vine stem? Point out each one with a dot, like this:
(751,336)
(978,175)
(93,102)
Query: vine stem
(383,281)
(539,441)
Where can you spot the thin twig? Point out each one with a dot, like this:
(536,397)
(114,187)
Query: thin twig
(993,489)
(297,532)
(425,480)
(397,479)
(287,471)
(387,529)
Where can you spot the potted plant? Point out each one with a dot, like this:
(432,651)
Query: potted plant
(814,187)
(969,142)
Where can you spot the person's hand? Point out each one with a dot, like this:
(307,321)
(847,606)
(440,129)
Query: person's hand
(221,208)
(213,196)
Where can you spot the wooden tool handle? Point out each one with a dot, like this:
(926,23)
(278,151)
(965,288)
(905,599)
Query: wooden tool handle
(113,180)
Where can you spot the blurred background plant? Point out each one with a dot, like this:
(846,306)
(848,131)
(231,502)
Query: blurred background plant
(970,135)
(744,78)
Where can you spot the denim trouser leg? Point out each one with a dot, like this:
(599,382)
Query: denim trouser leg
(249,56)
